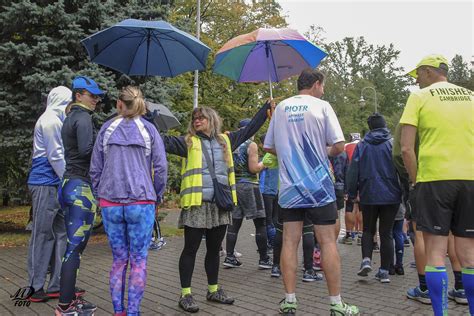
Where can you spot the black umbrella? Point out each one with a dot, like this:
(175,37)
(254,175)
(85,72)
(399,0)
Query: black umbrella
(161,116)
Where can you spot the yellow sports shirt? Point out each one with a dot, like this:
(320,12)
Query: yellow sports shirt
(444,116)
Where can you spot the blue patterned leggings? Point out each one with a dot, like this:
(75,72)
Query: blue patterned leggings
(129,230)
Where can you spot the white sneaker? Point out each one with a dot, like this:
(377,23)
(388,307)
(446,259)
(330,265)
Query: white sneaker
(237,254)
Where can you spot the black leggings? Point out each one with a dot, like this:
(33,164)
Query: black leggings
(192,241)
(260,236)
(386,215)
(271,203)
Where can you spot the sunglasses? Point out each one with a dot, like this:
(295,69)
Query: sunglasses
(93,96)
(199,118)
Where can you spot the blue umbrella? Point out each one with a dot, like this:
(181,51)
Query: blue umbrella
(146,48)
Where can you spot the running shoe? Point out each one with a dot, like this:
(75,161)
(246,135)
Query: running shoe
(77,307)
(231,262)
(382,276)
(391,270)
(365,267)
(157,245)
(311,276)
(343,309)
(188,304)
(237,254)
(223,253)
(39,296)
(417,294)
(276,272)
(265,264)
(359,240)
(399,270)
(459,296)
(413,264)
(288,308)
(219,296)
(376,247)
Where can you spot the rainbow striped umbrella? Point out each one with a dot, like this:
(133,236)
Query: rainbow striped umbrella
(267,55)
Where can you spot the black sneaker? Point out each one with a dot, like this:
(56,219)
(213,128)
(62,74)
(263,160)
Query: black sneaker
(399,270)
(265,264)
(391,270)
(231,262)
(77,307)
(311,276)
(188,304)
(39,296)
(219,296)
(276,272)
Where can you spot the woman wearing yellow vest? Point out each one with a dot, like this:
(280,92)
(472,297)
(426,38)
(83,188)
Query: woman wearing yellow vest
(200,214)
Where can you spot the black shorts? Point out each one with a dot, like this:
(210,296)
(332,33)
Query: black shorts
(325,215)
(446,205)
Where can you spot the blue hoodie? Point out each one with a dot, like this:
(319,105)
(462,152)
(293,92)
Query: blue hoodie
(372,173)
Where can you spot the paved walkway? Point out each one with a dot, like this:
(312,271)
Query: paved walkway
(255,292)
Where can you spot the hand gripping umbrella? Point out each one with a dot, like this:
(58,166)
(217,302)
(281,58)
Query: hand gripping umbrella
(267,54)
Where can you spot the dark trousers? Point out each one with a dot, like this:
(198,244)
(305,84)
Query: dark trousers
(386,216)
(192,241)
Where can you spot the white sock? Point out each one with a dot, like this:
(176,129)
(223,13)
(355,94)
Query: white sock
(290,298)
(335,299)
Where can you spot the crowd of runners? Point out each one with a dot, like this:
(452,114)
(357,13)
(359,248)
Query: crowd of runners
(417,185)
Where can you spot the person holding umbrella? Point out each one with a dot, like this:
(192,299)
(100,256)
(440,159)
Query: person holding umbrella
(128,190)
(75,195)
(207,174)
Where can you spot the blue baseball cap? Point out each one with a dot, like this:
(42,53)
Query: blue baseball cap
(82,82)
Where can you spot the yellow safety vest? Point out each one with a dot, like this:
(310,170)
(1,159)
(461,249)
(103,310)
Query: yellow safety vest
(191,174)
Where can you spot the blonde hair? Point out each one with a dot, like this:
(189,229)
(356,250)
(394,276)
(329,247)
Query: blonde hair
(215,125)
(132,97)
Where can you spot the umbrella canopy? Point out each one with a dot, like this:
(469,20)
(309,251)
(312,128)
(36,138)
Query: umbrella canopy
(161,116)
(267,55)
(146,48)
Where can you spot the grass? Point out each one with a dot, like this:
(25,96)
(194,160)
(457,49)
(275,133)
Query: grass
(13,221)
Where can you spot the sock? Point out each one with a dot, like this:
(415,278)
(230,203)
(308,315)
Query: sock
(185,291)
(212,288)
(422,280)
(335,300)
(458,280)
(290,297)
(468,282)
(437,281)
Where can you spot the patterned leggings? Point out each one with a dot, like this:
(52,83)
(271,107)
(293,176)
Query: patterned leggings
(129,230)
(79,206)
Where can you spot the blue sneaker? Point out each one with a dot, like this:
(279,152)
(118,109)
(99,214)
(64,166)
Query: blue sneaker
(365,268)
(459,296)
(417,294)
(311,276)
(382,276)
(157,245)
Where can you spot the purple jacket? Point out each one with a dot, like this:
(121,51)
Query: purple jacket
(125,153)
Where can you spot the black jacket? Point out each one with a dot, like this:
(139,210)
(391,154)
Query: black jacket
(78,135)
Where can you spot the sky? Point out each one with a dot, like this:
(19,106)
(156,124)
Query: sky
(417,28)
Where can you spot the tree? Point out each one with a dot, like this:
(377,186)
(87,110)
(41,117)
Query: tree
(44,53)
(460,74)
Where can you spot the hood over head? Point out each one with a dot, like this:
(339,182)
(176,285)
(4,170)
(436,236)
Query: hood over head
(58,99)
(378,136)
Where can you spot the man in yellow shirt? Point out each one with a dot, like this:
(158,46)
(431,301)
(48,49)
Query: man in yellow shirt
(441,114)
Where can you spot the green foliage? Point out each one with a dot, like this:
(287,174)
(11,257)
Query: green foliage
(460,74)
(42,50)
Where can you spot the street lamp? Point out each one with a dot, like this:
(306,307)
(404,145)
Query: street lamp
(362,100)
